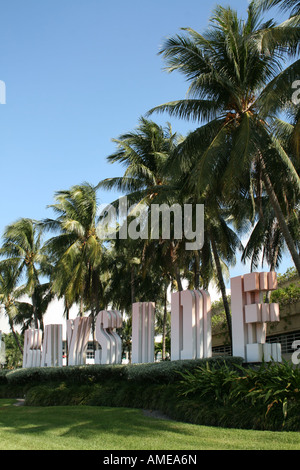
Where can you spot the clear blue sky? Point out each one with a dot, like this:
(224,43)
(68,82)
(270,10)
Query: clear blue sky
(79,73)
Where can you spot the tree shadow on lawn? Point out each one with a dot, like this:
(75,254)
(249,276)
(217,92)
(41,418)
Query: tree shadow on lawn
(107,428)
(88,422)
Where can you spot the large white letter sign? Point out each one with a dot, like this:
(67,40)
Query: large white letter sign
(105,331)
(250,316)
(143,320)
(52,346)
(190,325)
(78,332)
(32,348)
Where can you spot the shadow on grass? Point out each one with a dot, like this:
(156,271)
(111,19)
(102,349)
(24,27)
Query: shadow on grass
(89,423)
(107,428)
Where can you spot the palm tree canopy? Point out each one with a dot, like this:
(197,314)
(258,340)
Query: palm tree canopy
(9,283)
(22,246)
(144,154)
(235,90)
(76,249)
(292,6)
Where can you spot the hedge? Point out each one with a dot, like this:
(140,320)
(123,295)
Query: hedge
(3,378)
(159,373)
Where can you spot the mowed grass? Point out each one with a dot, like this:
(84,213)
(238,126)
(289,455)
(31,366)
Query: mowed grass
(101,428)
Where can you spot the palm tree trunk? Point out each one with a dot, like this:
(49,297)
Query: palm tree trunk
(34,309)
(178,279)
(132,285)
(175,266)
(280,217)
(15,336)
(67,313)
(221,284)
(197,270)
(272,268)
(81,306)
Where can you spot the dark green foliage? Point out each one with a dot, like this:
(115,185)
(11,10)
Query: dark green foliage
(264,397)
(209,383)
(161,372)
(3,379)
(71,374)
(286,295)
(272,385)
(168,372)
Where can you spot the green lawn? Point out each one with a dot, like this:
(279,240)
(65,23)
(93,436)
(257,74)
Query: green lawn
(100,428)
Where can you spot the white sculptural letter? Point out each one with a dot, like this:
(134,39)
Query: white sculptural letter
(250,316)
(52,346)
(143,332)
(32,348)
(78,332)
(190,325)
(105,331)
(2,92)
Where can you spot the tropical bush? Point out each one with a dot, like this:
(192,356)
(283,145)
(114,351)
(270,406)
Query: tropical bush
(261,397)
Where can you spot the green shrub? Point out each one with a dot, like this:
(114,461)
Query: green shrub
(265,397)
(168,371)
(286,295)
(70,374)
(210,383)
(3,378)
(272,385)
(160,372)
(58,395)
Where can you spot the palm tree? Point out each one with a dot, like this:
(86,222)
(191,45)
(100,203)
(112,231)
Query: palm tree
(291,6)
(285,35)
(43,294)
(238,90)
(122,262)
(76,250)
(145,153)
(9,293)
(221,243)
(22,247)
(153,264)
(266,243)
